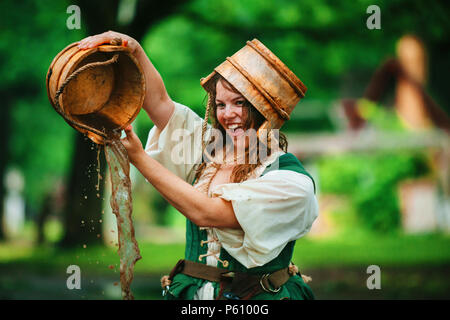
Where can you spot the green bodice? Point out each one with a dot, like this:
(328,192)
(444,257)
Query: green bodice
(184,287)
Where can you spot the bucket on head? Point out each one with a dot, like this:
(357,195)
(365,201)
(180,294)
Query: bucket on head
(264,80)
(98,91)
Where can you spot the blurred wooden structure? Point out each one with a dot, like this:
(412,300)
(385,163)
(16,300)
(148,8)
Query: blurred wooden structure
(413,104)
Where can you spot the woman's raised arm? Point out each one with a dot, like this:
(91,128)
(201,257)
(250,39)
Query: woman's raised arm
(157,102)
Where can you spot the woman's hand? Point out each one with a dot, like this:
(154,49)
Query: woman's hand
(108,37)
(133,145)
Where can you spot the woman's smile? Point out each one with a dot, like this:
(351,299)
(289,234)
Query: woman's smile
(235,130)
(231,110)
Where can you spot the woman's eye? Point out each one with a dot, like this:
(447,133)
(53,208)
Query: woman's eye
(240,102)
(220,105)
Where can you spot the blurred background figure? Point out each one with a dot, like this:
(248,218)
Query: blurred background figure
(14,204)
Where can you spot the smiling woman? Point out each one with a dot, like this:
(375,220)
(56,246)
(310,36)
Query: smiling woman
(236,122)
(243,216)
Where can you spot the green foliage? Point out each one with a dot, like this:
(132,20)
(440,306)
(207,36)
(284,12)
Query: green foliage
(183,55)
(370,180)
(40,141)
(380,117)
(42,149)
(325,43)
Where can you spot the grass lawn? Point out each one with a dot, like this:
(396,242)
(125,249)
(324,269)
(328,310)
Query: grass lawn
(411,267)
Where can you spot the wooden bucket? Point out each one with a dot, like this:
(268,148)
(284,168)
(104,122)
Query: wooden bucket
(264,80)
(98,91)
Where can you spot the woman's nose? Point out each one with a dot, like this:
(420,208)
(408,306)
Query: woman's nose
(229,112)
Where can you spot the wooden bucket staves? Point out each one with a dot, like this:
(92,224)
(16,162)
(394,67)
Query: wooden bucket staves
(98,91)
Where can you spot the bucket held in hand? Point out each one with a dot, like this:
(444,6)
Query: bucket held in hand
(98,91)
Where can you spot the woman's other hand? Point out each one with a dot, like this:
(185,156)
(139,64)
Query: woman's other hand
(108,37)
(133,145)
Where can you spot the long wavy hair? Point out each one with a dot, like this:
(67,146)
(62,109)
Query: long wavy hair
(254,120)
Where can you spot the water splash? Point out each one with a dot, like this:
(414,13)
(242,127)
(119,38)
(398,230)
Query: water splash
(121,204)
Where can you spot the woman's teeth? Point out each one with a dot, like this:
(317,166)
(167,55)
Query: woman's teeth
(233,127)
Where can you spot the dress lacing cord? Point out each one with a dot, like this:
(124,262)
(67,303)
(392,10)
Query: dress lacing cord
(207,241)
(225,263)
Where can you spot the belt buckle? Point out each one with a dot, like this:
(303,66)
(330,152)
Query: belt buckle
(165,291)
(231,296)
(269,290)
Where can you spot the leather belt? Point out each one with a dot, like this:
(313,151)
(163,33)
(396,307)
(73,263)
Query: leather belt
(243,285)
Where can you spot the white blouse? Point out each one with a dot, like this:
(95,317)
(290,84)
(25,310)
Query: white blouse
(272,210)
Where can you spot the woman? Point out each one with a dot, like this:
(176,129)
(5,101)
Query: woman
(245,199)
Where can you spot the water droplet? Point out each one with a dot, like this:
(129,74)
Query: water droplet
(84,246)
(85,197)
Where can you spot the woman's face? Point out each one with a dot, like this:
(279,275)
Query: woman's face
(231,110)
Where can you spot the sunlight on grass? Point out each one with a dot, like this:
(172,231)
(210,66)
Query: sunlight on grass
(360,247)
(14,251)
(345,249)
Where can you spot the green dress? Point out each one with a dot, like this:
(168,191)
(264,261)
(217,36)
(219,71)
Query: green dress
(184,287)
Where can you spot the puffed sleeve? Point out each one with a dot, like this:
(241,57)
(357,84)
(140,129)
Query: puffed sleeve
(178,146)
(272,210)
